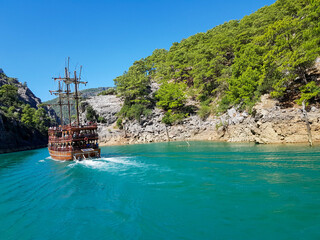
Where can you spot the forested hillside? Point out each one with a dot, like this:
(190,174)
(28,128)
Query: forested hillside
(233,64)
(18,103)
(23,120)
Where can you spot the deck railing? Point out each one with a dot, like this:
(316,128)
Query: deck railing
(61,149)
(73,138)
(69,148)
(73,127)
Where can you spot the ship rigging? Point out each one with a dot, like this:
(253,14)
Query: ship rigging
(72,141)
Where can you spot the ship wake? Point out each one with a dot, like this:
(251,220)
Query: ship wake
(108,164)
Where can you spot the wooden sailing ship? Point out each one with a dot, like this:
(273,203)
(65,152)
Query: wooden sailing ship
(73,141)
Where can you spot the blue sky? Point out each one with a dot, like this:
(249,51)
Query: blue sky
(106,37)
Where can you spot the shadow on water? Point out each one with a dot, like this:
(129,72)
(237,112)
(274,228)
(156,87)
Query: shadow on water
(11,159)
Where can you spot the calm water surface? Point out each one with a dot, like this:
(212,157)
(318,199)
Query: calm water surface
(164,191)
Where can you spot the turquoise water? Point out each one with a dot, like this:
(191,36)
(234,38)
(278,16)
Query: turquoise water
(164,191)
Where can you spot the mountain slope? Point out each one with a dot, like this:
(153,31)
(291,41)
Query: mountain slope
(23,122)
(267,52)
(244,80)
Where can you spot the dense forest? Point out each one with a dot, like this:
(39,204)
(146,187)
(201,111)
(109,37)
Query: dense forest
(12,107)
(232,64)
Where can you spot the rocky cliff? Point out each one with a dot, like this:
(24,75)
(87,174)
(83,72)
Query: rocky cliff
(15,136)
(268,123)
(25,94)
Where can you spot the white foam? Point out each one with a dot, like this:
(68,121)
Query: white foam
(92,164)
(108,164)
(42,160)
(121,160)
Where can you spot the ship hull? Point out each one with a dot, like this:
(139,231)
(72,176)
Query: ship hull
(73,155)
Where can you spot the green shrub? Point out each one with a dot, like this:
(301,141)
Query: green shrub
(41,120)
(101,119)
(204,111)
(171,118)
(11,111)
(91,114)
(28,114)
(308,92)
(109,91)
(134,111)
(119,123)
(9,95)
(137,110)
(224,104)
(4,109)
(171,96)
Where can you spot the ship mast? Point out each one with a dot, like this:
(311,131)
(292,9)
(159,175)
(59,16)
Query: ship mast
(66,94)
(60,103)
(76,96)
(76,81)
(59,93)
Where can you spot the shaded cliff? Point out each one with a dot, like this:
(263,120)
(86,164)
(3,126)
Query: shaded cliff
(23,121)
(14,136)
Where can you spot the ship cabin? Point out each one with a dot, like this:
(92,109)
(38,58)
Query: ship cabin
(73,138)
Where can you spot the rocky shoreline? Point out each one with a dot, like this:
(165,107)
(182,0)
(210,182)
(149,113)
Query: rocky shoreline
(268,123)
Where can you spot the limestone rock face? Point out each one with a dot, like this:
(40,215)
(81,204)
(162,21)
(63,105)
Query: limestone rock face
(106,106)
(27,96)
(268,123)
(271,124)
